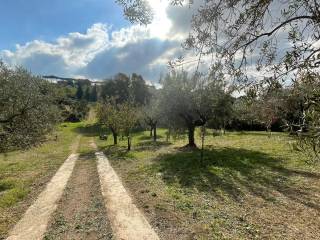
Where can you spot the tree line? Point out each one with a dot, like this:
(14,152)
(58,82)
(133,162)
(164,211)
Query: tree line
(187,101)
(31,106)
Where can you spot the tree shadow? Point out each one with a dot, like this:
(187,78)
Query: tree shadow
(145,137)
(91,130)
(120,152)
(234,172)
(255,133)
(87,156)
(117,152)
(151,145)
(148,137)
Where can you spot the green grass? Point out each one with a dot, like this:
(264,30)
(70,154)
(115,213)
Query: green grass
(23,172)
(245,187)
(239,168)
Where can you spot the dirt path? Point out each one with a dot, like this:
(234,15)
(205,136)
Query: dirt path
(81,213)
(127,222)
(34,222)
(83,206)
(75,145)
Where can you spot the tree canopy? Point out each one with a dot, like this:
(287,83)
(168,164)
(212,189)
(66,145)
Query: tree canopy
(28,108)
(187,101)
(124,88)
(277,37)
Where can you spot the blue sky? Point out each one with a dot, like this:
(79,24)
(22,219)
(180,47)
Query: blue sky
(89,38)
(24,21)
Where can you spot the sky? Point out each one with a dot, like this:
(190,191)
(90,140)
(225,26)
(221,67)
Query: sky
(89,38)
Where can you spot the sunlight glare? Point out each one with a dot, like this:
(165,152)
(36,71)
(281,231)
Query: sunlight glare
(161,24)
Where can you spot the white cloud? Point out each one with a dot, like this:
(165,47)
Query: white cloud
(75,49)
(102,51)
(132,34)
(100,48)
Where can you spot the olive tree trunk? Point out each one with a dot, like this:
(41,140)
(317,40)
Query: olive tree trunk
(191,142)
(129,143)
(115,137)
(155,132)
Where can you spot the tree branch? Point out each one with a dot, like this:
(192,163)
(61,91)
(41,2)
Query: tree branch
(268,34)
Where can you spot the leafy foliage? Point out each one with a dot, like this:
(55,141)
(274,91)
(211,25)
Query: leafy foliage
(28,109)
(119,117)
(189,102)
(137,11)
(123,89)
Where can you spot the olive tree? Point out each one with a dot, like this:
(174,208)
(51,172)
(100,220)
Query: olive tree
(151,115)
(268,105)
(28,108)
(186,102)
(306,93)
(128,119)
(278,36)
(108,115)
(222,104)
(137,10)
(119,117)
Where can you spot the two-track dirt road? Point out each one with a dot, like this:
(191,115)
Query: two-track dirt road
(84,200)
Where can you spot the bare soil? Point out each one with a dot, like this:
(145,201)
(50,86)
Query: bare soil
(34,222)
(127,222)
(81,213)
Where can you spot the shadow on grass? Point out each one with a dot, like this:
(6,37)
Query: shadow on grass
(91,130)
(147,137)
(150,145)
(117,152)
(234,172)
(256,133)
(120,152)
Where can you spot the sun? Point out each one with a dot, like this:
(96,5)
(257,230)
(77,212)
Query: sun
(161,24)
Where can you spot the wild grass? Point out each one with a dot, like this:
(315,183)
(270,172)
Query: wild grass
(23,172)
(219,196)
(245,187)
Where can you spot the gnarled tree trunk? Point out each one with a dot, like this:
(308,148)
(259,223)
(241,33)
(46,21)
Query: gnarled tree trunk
(155,132)
(191,124)
(191,142)
(115,136)
(129,143)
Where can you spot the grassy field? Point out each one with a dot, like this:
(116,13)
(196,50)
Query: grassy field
(248,186)
(23,174)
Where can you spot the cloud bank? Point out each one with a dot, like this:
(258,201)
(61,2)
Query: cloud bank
(98,53)
(103,51)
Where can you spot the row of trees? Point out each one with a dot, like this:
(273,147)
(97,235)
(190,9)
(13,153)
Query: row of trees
(183,103)
(74,99)
(121,100)
(186,102)
(31,107)
(87,92)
